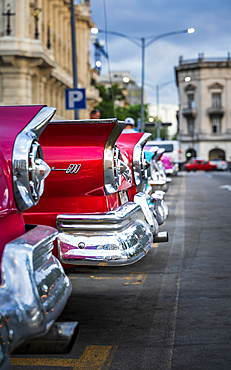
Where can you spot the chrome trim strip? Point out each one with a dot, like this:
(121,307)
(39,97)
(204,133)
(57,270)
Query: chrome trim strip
(39,122)
(118,237)
(158,154)
(139,162)
(21,159)
(110,184)
(35,288)
(142,200)
(144,139)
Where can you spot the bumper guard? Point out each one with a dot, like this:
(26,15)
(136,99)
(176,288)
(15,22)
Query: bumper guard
(119,237)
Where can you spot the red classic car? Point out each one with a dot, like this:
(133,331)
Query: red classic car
(199,165)
(34,288)
(87,195)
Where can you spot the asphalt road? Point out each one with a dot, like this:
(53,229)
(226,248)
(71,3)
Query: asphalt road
(171,310)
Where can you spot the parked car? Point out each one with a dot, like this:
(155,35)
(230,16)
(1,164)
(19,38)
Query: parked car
(132,146)
(86,195)
(34,288)
(221,164)
(155,182)
(199,165)
(172,150)
(157,174)
(170,167)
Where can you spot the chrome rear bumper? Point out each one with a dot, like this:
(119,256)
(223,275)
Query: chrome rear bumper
(118,237)
(35,288)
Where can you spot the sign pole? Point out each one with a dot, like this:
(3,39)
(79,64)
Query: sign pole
(74,55)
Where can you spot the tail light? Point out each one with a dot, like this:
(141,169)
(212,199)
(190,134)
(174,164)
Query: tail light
(118,169)
(29,169)
(114,167)
(140,164)
(38,171)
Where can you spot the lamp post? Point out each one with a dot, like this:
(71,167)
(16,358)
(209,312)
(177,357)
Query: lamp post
(143,43)
(74,55)
(158,87)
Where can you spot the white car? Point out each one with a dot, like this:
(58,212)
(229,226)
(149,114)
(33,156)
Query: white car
(220,163)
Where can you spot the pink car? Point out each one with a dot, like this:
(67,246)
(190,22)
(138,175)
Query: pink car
(170,167)
(34,288)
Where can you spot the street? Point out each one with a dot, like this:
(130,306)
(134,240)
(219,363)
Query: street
(170,310)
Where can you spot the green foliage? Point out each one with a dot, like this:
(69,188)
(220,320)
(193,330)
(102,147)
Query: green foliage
(174,137)
(106,106)
(133,111)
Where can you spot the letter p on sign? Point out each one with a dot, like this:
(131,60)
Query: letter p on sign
(75,99)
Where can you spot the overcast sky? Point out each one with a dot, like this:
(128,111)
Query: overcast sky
(144,18)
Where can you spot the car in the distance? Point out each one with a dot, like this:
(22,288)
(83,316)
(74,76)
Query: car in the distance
(196,164)
(221,164)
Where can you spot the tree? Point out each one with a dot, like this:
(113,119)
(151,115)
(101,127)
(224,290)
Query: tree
(106,107)
(133,111)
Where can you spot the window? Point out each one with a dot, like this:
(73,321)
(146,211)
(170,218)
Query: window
(168,147)
(216,100)
(191,102)
(191,125)
(216,125)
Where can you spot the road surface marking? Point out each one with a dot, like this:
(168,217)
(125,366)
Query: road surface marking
(168,295)
(132,276)
(93,358)
(228,187)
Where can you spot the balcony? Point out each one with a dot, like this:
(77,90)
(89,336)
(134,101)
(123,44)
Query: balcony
(189,112)
(215,111)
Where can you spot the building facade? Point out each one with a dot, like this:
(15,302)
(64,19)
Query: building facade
(204,117)
(36,53)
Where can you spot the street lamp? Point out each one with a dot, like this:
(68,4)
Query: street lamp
(126,79)
(142,43)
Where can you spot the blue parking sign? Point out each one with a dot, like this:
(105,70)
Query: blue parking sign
(75,99)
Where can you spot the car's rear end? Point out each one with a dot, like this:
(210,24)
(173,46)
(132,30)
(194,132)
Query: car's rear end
(34,288)
(86,195)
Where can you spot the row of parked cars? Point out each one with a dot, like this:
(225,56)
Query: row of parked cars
(71,193)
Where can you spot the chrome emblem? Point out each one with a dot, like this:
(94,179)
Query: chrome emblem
(72,168)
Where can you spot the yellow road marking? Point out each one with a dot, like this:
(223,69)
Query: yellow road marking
(93,358)
(132,276)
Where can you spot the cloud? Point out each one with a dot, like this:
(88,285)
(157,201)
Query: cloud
(136,18)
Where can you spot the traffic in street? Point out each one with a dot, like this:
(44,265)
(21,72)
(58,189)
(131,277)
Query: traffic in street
(171,309)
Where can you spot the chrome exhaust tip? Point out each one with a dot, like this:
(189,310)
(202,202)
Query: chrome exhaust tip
(59,339)
(160,237)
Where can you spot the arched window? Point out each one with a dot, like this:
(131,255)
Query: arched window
(217,153)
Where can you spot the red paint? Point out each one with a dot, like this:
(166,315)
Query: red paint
(199,165)
(12,120)
(81,143)
(126,143)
